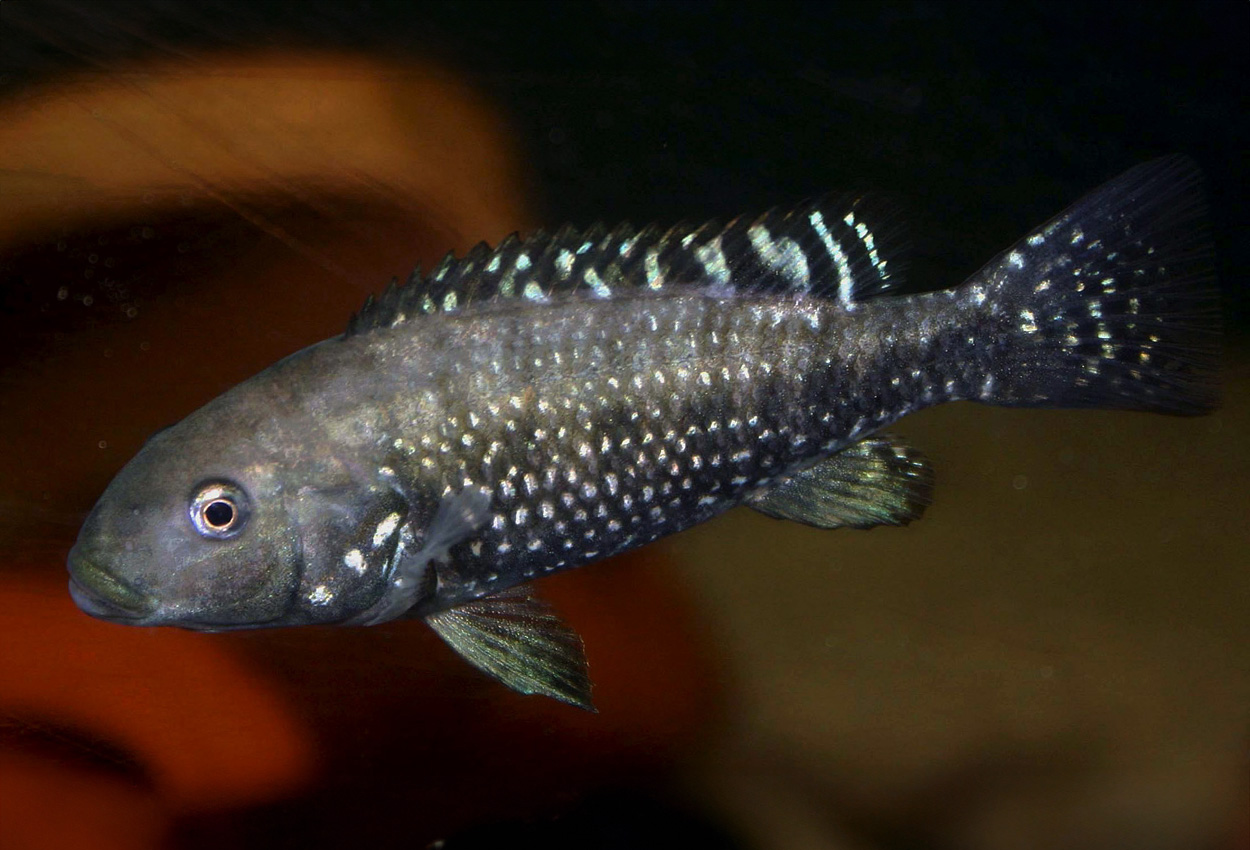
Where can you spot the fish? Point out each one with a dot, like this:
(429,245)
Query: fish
(561,398)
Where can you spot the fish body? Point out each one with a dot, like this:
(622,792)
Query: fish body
(556,400)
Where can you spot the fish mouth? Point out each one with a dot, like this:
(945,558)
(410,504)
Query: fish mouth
(101,594)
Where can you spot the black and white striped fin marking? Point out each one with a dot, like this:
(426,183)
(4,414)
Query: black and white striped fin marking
(843,247)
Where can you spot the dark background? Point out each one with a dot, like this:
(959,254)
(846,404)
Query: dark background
(985,119)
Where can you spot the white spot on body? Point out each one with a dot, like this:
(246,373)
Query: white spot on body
(354,560)
(384,530)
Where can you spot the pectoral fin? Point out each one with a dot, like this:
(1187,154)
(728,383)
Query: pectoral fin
(521,642)
(878,481)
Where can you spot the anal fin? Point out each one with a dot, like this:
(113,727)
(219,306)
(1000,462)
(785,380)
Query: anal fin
(520,641)
(877,481)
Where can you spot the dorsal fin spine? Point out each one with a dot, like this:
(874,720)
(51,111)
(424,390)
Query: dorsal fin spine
(841,247)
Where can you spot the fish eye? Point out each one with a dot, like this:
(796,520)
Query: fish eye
(219,510)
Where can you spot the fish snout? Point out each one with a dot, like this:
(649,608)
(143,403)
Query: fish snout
(101,594)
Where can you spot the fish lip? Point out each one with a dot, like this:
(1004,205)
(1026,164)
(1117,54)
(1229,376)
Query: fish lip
(91,604)
(102,594)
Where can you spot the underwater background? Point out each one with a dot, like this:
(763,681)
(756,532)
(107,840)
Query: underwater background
(1056,656)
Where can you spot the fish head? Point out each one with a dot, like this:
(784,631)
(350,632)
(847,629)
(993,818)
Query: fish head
(239,517)
(192,532)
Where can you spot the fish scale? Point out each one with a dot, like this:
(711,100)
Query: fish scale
(541,405)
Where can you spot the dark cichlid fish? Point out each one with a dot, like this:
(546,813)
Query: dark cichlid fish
(566,397)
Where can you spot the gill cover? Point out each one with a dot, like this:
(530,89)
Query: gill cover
(347,541)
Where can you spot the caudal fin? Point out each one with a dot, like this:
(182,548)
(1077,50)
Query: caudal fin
(1113,303)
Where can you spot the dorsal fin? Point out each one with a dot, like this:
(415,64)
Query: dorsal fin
(844,247)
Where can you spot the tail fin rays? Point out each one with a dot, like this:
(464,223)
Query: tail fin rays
(1112,303)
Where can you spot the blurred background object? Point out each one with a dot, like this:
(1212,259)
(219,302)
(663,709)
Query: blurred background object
(1056,656)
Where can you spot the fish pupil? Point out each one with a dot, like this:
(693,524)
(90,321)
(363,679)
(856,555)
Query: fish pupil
(219,514)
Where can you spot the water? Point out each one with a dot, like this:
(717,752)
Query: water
(1061,640)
